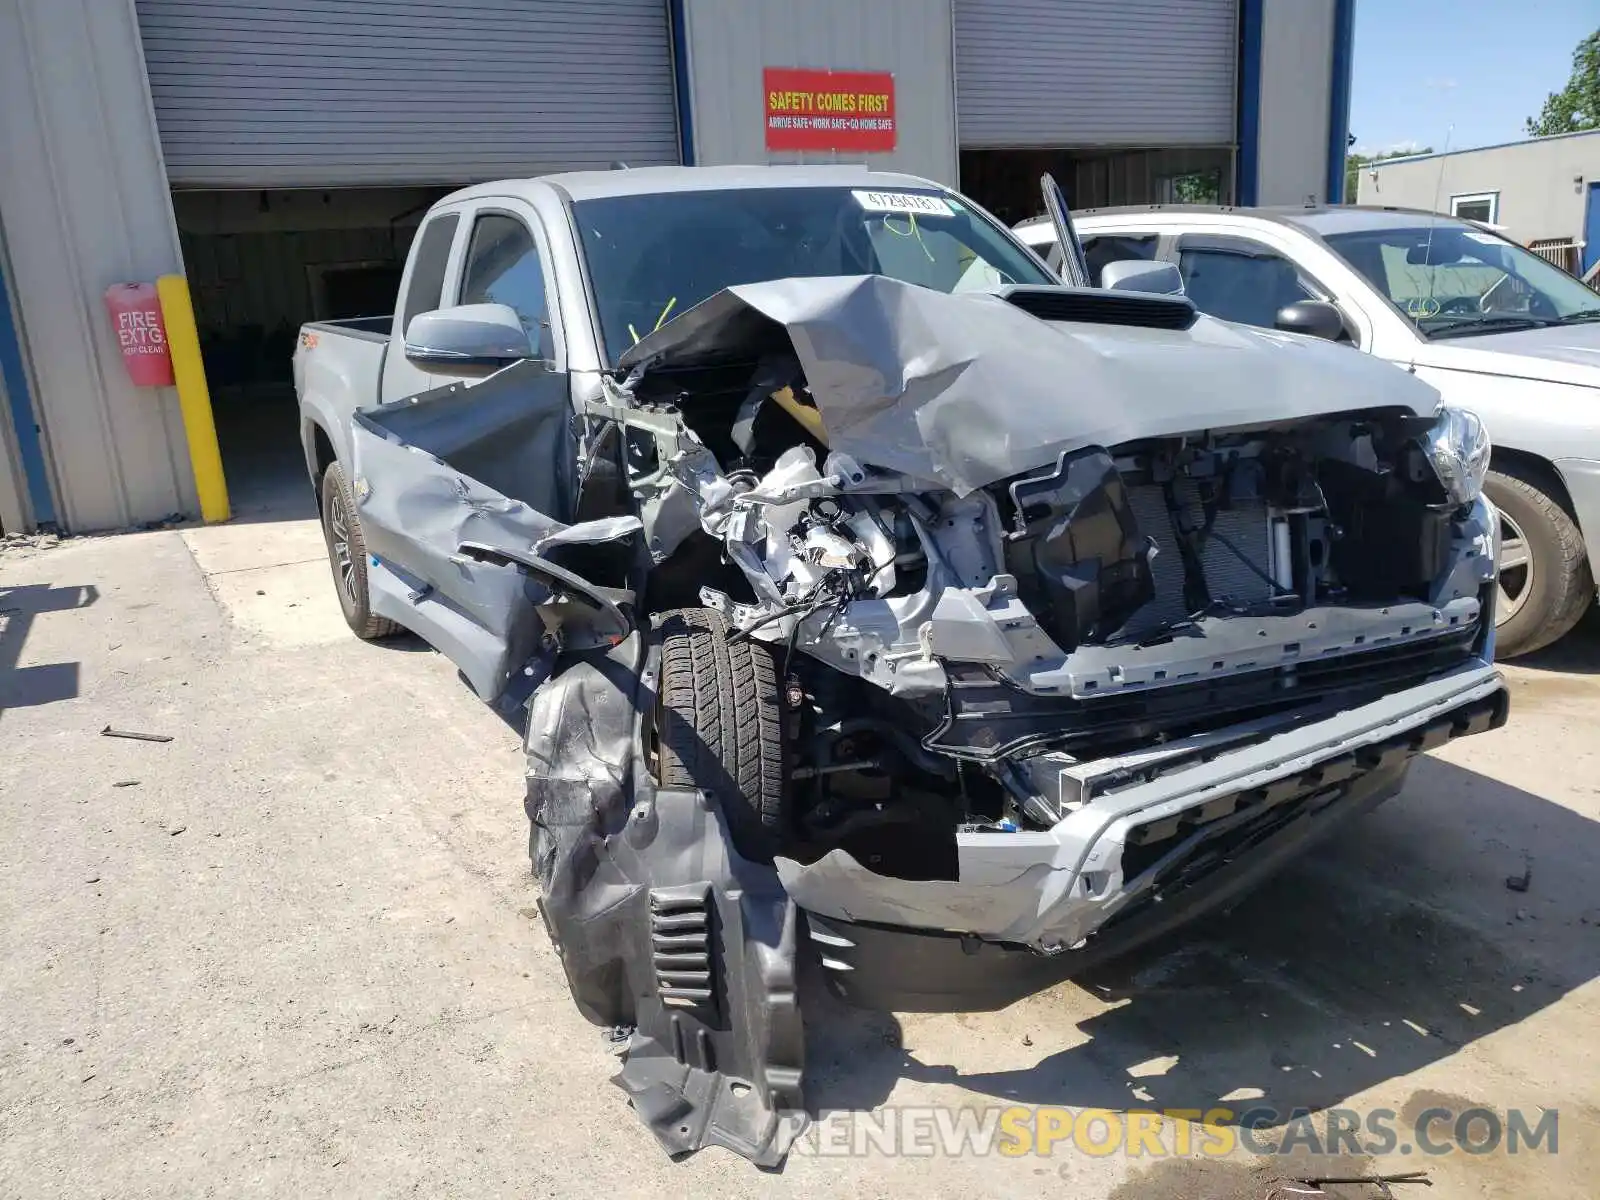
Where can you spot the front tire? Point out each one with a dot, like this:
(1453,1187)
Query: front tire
(1546,581)
(719,726)
(347,557)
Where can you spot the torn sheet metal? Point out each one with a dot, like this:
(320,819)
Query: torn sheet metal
(449,481)
(966,389)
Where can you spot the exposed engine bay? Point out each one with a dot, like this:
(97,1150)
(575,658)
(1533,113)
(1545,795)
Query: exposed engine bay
(948,643)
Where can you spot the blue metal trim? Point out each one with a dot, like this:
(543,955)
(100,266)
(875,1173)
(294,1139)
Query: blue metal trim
(680,81)
(29,447)
(1344,35)
(1591,227)
(1248,163)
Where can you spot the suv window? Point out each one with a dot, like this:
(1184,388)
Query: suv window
(1112,247)
(427,268)
(503,267)
(1244,285)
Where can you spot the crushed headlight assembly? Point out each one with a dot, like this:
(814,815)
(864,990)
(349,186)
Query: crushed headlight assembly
(1458,446)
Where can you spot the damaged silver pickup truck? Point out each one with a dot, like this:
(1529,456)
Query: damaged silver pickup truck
(876,599)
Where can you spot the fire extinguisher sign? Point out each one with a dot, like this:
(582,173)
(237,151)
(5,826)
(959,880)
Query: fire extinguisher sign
(135,311)
(140,333)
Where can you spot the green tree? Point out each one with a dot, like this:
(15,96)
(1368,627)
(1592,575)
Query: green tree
(1354,162)
(1575,107)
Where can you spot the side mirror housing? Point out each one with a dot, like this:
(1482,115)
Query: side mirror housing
(1316,318)
(1142,275)
(466,339)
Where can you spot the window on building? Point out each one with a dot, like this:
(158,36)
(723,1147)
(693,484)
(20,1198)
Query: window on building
(427,271)
(503,267)
(1241,285)
(1192,187)
(1476,206)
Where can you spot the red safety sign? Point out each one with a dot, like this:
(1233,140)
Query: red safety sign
(829,110)
(135,312)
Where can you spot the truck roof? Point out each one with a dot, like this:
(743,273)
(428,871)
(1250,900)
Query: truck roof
(1319,219)
(645,181)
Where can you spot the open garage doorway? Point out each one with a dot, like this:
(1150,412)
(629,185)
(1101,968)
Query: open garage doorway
(1006,182)
(260,264)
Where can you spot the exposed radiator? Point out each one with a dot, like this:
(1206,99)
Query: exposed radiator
(1227,577)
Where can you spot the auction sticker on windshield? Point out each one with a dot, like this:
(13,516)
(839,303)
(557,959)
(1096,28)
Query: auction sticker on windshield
(903,202)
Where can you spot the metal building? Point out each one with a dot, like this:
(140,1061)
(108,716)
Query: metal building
(279,153)
(1543,192)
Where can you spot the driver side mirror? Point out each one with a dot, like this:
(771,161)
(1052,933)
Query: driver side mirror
(466,339)
(1315,318)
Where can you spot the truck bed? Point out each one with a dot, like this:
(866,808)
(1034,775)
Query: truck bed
(338,368)
(372,329)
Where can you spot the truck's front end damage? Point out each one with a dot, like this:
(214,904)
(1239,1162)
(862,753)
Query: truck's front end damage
(1078,617)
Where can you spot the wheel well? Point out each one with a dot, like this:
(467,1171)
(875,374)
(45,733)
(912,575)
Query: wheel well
(322,449)
(1535,470)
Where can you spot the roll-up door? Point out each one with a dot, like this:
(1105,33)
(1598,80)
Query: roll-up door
(325,93)
(1081,73)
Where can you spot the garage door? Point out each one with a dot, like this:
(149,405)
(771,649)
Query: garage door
(1080,73)
(295,93)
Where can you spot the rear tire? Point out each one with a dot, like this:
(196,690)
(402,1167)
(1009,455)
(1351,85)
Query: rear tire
(719,726)
(1546,581)
(347,557)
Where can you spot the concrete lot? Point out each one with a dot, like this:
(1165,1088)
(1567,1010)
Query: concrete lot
(294,951)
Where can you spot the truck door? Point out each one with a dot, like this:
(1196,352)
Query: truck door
(458,487)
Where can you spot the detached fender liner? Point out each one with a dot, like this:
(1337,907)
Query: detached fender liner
(666,934)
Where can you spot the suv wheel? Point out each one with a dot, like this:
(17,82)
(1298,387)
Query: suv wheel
(719,726)
(1545,578)
(347,556)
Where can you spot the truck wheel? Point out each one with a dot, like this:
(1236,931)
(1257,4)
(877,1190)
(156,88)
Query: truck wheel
(347,556)
(719,728)
(1545,578)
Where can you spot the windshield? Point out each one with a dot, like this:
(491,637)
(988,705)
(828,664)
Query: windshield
(652,257)
(1457,281)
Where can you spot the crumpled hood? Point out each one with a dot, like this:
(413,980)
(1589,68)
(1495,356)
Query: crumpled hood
(967,389)
(1555,354)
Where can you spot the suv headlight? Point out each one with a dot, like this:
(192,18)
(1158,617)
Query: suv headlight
(1458,446)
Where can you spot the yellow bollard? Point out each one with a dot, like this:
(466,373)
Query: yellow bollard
(183,341)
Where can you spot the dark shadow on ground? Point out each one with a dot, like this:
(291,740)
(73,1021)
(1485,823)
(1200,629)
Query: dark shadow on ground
(45,683)
(1576,654)
(1372,957)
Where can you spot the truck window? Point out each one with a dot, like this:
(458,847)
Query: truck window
(427,268)
(503,267)
(1240,286)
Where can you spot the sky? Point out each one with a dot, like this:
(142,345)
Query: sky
(1481,66)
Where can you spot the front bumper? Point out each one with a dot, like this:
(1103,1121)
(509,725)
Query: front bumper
(1157,838)
(688,952)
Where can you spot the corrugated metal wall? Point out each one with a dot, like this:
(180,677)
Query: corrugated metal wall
(1080,73)
(289,93)
(85,205)
(729,42)
(16,514)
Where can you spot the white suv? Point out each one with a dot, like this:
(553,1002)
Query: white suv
(1494,327)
